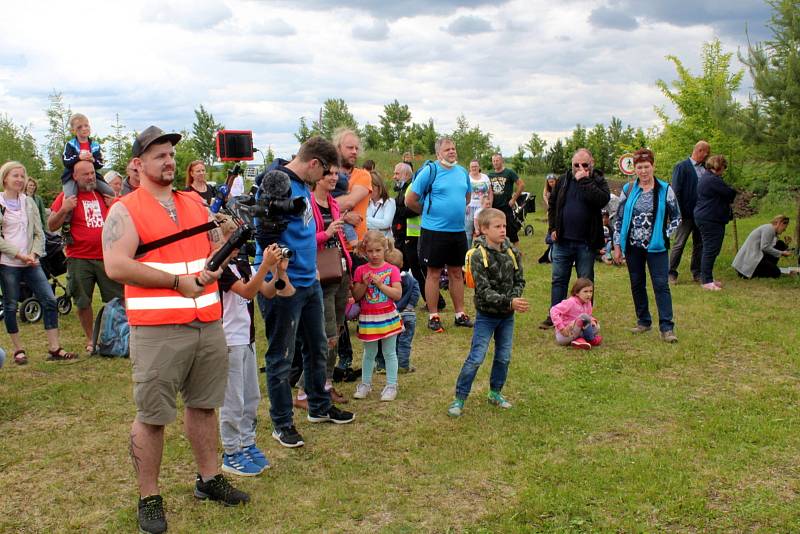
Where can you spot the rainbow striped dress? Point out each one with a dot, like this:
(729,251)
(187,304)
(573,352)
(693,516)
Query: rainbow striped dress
(379,317)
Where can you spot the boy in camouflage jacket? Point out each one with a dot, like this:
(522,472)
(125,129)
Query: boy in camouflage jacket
(498,294)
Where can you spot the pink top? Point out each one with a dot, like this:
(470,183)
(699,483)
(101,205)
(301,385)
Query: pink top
(322,237)
(15,229)
(565,313)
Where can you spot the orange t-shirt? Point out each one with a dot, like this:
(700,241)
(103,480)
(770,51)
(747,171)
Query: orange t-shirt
(364,179)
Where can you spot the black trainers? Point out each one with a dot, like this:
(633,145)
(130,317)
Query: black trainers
(220,490)
(288,437)
(435,324)
(334,415)
(351,375)
(464,320)
(547,324)
(151,515)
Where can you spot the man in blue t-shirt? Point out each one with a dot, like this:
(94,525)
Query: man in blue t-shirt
(301,313)
(440,193)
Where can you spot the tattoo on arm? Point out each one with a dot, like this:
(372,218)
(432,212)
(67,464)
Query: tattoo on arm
(215,236)
(132,447)
(112,230)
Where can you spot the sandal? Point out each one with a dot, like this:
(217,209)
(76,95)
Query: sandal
(60,355)
(20,358)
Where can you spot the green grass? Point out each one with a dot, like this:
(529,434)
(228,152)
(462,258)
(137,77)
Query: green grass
(636,436)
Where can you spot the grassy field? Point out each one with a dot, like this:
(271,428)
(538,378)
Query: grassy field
(636,436)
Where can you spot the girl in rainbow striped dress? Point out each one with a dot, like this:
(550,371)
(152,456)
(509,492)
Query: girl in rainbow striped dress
(376,286)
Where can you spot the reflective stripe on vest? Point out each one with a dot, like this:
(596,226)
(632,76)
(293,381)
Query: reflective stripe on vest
(160,303)
(163,305)
(413,226)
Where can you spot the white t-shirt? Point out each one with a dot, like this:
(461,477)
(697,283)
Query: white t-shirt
(478,189)
(237,187)
(235,315)
(15,228)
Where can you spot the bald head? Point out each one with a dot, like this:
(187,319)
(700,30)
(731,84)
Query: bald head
(84,175)
(701,151)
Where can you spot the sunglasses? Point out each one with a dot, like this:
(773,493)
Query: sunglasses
(579,165)
(326,170)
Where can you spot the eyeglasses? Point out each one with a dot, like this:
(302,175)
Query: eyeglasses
(579,165)
(326,171)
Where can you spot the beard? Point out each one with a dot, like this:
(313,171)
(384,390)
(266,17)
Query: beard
(165,178)
(88,188)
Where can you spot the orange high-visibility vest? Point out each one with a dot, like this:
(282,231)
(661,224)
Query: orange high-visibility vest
(157,306)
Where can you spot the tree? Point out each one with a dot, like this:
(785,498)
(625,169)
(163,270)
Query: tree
(774,66)
(422,138)
(334,114)
(58,132)
(395,123)
(17,144)
(120,147)
(472,143)
(371,137)
(706,110)
(185,153)
(304,133)
(536,148)
(557,159)
(204,132)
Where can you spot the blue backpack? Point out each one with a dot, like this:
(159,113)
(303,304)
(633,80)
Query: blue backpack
(111,334)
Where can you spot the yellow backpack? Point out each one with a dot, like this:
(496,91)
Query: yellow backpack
(468,278)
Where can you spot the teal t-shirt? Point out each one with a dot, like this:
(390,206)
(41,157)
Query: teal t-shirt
(447,199)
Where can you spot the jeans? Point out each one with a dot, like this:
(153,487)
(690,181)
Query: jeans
(636,259)
(33,276)
(285,318)
(485,326)
(405,338)
(679,240)
(582,327)
(566,253)
(713,233)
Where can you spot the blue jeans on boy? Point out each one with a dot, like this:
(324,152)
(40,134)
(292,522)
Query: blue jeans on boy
(567,252)
(285,318)
(637,259)
(405,338)
(34,277)
(485,327)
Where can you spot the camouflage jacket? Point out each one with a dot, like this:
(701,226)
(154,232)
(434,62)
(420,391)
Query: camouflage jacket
(498,283)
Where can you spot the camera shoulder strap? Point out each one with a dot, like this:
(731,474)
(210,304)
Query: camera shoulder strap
(177,236)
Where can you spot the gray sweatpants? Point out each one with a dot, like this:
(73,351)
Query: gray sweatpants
(237,417)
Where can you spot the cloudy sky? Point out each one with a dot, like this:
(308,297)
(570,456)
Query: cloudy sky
(513,67)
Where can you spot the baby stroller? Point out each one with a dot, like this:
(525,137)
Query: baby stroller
(526,203)
(54,264)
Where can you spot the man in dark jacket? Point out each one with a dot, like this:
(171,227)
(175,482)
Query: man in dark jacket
(402,179)
(575,224)
(684,183)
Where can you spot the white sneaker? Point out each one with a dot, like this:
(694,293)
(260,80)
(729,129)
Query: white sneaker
(389,393)
(362,390)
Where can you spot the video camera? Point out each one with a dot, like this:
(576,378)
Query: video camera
(261,214)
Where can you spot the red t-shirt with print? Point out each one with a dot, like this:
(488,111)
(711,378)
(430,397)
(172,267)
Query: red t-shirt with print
(87,222)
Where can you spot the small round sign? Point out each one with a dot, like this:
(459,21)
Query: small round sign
(626,164)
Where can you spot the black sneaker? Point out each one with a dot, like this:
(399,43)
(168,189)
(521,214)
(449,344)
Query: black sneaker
(334,415)
(151,515)
(220,490)
(338,374)
(288,437)
(435,324)
(464,320)
(547,324)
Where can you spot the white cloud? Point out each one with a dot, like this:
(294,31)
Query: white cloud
(543,67)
